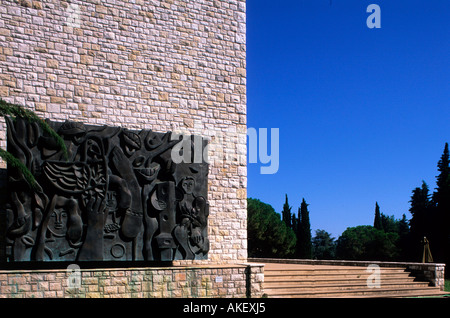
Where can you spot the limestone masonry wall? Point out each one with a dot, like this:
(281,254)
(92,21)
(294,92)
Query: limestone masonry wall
(175,282)
(169,65)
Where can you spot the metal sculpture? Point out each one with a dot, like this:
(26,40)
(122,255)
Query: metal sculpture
(118,195)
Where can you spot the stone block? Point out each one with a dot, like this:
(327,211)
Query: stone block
(113,58)
(86,59)
(110,290)
(4,91)
(163,96)
(57,100)
(37,5)
(52,63)
(5,32)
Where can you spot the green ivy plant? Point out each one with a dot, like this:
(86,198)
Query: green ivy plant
(14,111)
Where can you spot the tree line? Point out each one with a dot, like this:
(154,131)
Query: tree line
(269,235)
(288,235)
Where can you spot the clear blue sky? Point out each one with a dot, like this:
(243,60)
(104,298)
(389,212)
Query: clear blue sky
(363,114)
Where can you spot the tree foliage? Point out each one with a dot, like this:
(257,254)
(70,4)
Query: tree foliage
(304,247)
(367,243)
(323,245)
(421,210)
(441,196)
(440,237)
(431,215)
(14,110)
(268,235)
(286,213)
(377,221)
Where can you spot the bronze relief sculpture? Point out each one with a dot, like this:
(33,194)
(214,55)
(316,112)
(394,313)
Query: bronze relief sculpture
(117,196)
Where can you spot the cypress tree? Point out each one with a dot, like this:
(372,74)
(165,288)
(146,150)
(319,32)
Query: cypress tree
(403,240)
(442,194)
(441,200)
(377,221)
(421,210)
(298,234)
(286,213)
(295,224)
(304,244)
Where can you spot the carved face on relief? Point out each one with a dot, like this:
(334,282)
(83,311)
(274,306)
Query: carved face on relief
(57,224)
(111,201)
(188,184)
(147,171)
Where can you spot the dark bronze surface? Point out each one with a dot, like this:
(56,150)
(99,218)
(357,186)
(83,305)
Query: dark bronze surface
(119,196)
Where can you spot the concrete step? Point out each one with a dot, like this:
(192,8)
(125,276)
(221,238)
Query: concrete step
(325,270)
(330,276)
(340,284)
(385,292)
(331,272)
(296,280)
(339,287)
(290,276)
(337,278)
(365,293)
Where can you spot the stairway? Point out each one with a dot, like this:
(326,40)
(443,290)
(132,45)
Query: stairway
(332,281)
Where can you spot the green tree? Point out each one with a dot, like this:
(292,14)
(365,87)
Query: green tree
(295,224)
(403,243)
(389,223)
(421,213)
(17,111)
(377,221)
(304,247)
(440,239)
(286,213)
(323,245)
(395,228)
(367,243)
(441,196)
(268,235)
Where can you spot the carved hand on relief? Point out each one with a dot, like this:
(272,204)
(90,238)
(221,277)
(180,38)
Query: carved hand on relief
(196,236)
(95,206)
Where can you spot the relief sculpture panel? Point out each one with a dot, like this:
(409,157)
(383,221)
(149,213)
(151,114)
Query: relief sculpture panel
(115,195)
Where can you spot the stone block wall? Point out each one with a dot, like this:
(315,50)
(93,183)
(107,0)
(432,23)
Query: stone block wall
(430,272)
(237,281)
(166,65)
